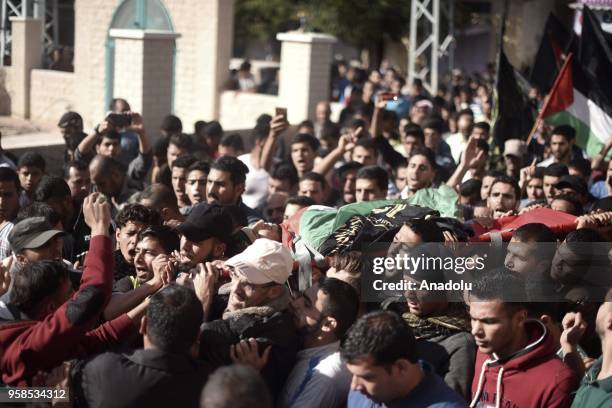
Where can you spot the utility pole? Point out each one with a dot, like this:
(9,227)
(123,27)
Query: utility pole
(425,49)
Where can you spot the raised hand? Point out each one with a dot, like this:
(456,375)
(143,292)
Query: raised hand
(526,173)
(357,134)
(278,125)
(346,143)
(104,126)
(163,271)
(574,327)
(97,213)
(381,100)
(137,123)
(472,156)
(204,283)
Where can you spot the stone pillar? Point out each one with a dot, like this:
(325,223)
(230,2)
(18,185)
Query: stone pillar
(304,72)
(143,72)
(26,54)
(213,51)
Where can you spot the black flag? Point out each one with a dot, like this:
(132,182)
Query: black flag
(513,114)
(556,42)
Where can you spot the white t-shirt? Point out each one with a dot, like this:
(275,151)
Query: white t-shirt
(457,144)
(256,186)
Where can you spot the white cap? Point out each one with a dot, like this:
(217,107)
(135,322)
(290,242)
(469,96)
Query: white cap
(263,261)
(515,147)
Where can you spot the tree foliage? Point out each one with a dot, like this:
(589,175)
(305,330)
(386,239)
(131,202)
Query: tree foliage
(361,23)
(262,19)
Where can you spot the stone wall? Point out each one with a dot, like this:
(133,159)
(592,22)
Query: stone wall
(5,90)
(92,22)
(202,55)
(239,110)
(52,94)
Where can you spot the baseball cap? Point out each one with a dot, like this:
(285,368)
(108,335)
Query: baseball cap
(348,166)
(207,221)
(575,183)
(70,119)
(424,104)
(263,261)
(515,147)
(32,233)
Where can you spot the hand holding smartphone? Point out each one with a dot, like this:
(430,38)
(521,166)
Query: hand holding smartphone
(281,112)
(388,96)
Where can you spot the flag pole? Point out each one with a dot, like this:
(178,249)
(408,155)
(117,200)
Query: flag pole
(535,127)
(546,103)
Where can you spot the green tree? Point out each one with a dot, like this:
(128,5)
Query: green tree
(362,23)
(262,19)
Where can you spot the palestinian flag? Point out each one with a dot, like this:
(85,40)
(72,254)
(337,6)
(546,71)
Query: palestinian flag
(582,93)
(555,43)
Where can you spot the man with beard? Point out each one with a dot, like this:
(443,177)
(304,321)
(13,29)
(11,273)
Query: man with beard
(441,328)
(256,319)
(322,314)
(562,146)
(504,196)
(580,268)
(205,234)
(226,183)
(530,253)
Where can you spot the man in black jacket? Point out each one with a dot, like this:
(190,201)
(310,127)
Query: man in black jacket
(257,310)
(163,374)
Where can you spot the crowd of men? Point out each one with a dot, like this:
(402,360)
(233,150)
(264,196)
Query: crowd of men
(152,271)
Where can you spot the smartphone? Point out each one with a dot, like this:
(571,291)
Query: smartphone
(120,120)
(389,96)
(281,111)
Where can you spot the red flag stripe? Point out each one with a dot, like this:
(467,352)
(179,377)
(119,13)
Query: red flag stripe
(561,95)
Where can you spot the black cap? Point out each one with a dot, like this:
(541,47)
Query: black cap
(32,233)
(207,221)
(576,183)
(70,119)
(348,167)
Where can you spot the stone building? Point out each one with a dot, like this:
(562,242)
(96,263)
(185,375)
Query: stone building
(162,56)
